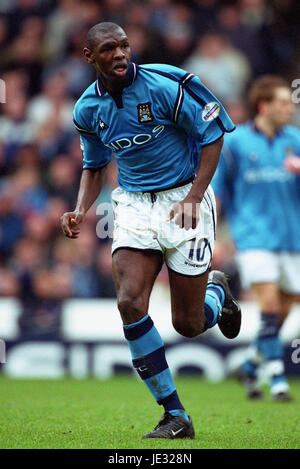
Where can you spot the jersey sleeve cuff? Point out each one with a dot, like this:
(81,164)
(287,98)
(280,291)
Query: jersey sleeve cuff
(218,138)
(95,168)
(81,129)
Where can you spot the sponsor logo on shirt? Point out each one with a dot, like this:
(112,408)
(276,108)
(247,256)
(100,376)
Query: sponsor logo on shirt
(267,174)
(210,111)
(139,139)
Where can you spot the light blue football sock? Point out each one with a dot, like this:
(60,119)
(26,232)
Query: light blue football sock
(214,301)
(250,369)
(271,348)
(148,358)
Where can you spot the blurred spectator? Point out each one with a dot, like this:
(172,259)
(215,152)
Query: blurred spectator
(28,256)
(78,74)
(11,222)
(25,52)
(51,115)
(178,34)
(56,206)
(42,309)
(3,32)
(205,18)
(53,105)
(16,81)
(63,179)
(138,43)
(115,10)
(84,276)
(106,287)
(9,285)
(158,13)
(60,23)
(237,110)
(15,129)
(220,66)
(28,191)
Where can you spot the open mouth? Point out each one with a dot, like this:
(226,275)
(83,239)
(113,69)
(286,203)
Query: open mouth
(120,69)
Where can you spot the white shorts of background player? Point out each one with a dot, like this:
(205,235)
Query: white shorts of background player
(260,266)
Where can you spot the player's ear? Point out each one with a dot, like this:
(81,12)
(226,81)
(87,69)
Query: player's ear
(89,56)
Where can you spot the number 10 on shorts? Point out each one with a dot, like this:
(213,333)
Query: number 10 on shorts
(198,248)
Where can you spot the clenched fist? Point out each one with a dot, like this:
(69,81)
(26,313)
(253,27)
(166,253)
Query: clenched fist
(70,222)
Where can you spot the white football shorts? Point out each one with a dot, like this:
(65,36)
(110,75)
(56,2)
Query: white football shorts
(141,223)
(260,266)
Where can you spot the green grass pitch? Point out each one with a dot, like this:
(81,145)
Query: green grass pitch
(115,413)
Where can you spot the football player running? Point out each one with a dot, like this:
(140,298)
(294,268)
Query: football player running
(157,120)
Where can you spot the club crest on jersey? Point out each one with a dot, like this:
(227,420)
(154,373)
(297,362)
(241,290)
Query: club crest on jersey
(145,113)
(210,111)
(102,125)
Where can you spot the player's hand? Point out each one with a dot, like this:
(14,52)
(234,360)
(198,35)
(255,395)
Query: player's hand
(292,164)
(186,213)
(70,222)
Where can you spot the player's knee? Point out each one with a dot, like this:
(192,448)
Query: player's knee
(189,328)
(131,304)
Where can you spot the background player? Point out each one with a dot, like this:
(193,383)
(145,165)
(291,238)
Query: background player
(157,120)
(257,183)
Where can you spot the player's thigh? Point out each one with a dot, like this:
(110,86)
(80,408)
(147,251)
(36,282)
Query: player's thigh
(188,264)
(134,273)
(187,302)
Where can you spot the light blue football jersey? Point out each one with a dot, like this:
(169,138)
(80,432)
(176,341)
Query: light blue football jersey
(261,198)
(155,128)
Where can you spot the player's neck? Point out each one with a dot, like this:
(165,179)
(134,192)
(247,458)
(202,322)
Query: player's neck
(265,126)
(111,87)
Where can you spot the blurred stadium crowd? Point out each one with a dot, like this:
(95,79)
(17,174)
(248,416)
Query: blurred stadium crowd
(226,43)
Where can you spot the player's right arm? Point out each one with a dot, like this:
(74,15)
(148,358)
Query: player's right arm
(90,187)
(95,159)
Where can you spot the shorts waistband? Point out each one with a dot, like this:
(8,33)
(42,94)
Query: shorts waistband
(179,184)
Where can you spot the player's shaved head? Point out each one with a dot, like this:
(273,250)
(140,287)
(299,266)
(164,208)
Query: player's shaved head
(108,50)
(96,33)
